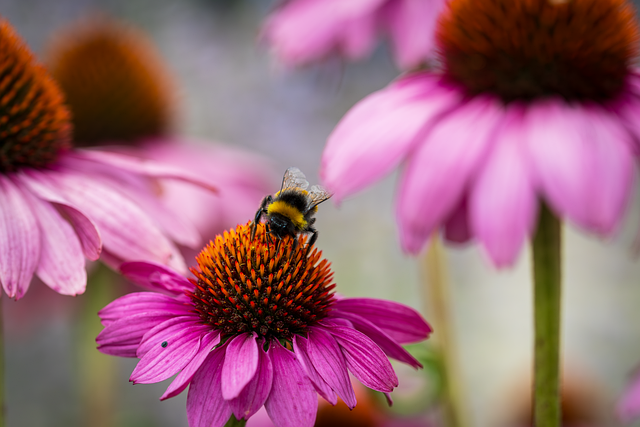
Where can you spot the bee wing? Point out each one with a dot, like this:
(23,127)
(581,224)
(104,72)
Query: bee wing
(317,195)
(294,178)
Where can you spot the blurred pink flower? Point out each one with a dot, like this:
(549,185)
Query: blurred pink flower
(302,31)
(254,329)
(517,113)
(628,408)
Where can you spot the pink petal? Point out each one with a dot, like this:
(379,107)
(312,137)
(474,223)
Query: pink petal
(255,393)
(122,337)
(411,24)
(205,405)
(327,359)
(440,169)
(401,323)
(140,303)
(177,386)
(628,408)
(292,401)
(156,277)
(240,364)
(457,228)
(358,36)
(376,134)
(62,265)
(169,328)
(503,204)
(365,359)
(300,346)
(40,185)
(20,243)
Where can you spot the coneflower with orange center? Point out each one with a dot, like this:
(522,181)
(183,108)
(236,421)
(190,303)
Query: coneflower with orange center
(258,324)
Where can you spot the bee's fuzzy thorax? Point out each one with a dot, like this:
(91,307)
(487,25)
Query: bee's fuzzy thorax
(285,209)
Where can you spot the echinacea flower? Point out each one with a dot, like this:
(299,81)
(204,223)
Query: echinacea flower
(257,325)
(535,101)
(59,205)
(302,31)
(123,97)
(628,408)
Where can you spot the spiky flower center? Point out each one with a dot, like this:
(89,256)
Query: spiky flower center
(34,123)
(116,83)
(525,49)
(261,285)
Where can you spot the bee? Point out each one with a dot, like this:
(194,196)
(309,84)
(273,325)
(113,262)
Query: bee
(290,211)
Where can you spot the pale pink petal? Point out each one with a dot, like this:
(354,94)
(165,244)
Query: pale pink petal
(177,386)
(628,408)
(40,185)
(376,134)
(441,167)
(173,326)
(122,337)
(358,36)
(140,303)
(166,358)
(156,277)
(411,24)
(327,359)
(205,404)
(321,386)
(292,401)
(240,364)
(19,240)
(255,393)
(503,204)
(402,323)
(365,359)
(62,264)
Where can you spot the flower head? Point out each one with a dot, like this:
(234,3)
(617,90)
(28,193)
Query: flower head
(258,325)
(301,31)
(58,205)
(535,100)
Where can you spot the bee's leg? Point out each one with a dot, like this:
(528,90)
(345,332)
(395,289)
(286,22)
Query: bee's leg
(267,233)
(312,240)
(294,246)
(266,201)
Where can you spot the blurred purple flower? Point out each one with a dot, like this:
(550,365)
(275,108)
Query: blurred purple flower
(302,31)
(628,408)
(517,113)
(258,325)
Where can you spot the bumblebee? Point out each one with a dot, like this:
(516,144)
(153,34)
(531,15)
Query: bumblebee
(290,211)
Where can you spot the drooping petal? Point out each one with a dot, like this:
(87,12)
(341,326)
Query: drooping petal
(402,323)
(503,204)
(240,364)
(19,240)
(207,343)
(292,401)
(440,169)
(141,303)
(156,277)
(376,134)
(365,359)
(169,329)
(255,393)
(205,405)
(321,386)
(456,227)
(62,264)
(122,337)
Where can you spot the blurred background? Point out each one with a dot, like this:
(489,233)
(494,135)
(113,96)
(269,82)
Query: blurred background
(232,92)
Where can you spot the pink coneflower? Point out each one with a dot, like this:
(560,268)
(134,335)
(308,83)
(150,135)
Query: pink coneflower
(257,325)
(628,408)
(60,205)
(534,100)
(302,31)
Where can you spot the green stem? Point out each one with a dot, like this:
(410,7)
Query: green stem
(234,422)
(546,308)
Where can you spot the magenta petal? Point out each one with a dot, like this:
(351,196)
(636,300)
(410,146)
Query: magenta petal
(207,343)
(166,358)
(255,393)
(176,325)
(365,359)
(440,169)
(300,347)
(140,303)
(457,228)
(377,133)
(327,359)
(503,204)
(240,364)
(19,240)
(205,405)
(292,401)
(400,322)
(156,277)
(122,337)
(628,408)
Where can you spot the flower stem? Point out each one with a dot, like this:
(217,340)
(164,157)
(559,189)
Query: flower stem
(234,422)
(546,308)
(437,292)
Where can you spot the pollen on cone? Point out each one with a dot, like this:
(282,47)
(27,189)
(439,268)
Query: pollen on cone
(34,123)
(116,83)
